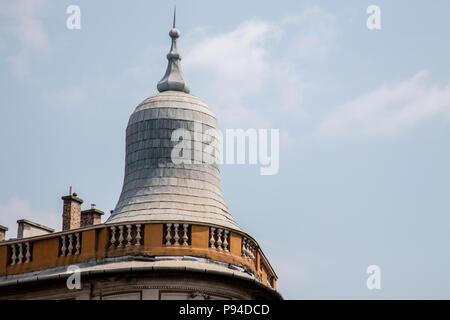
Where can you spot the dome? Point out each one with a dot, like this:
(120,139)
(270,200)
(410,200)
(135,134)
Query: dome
(155,188)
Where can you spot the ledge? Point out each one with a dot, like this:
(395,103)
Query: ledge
(142,240)
(112,266)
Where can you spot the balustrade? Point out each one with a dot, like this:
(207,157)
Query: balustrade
(248,248)
(20,253)
(125,236)
(218,239)
(173,231)
(131,235)
(70,244)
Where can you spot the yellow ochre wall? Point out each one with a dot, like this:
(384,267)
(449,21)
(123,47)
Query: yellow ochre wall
(95,245)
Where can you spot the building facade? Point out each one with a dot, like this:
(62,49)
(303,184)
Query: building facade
(170,236)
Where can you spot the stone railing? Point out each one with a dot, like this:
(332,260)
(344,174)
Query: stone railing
(177,234)
(138,238)
(248,248)
(20,253)
(125,235)
(218,239)
(70,244)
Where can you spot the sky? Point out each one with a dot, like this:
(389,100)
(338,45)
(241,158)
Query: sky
(364,120)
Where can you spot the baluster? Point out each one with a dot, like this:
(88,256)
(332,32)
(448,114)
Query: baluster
(138,235)
(176,236)
(260,272)
(13,254)
(185,234)
(225,240)
(219,239)
(70,247)
(269,281)
(129,235)
(27,252)
(254,251)
(212,241)
(120,236)
(168,235)
(20,256)
(243,246)
(63,245)
(113,237)
(78,244)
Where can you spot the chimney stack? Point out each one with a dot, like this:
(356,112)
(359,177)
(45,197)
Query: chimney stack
(91,217)
(71,211)
(2,233)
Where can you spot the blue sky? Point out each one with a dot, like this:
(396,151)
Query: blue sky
(364,119)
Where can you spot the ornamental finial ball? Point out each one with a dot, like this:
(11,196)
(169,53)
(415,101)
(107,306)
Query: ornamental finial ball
(174,33)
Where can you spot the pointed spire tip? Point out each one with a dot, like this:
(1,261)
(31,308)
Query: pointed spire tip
(173,78)
(174,16)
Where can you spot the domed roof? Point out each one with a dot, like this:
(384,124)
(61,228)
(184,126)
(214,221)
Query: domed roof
(155,188)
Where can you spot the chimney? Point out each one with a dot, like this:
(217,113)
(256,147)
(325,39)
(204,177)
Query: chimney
(2,233)
(71,211)
(91,217)
(27,228)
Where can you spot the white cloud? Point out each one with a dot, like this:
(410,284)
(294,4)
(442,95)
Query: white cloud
(259,58)
(312,32)
(389,109)
(27,29)
(16,209)
(73,96)
(238,60)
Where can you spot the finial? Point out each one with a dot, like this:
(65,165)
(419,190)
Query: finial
(173,78)
(174,16)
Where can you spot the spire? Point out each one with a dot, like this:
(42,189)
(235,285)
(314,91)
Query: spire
(173,79)
(174,16)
